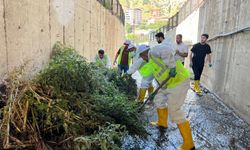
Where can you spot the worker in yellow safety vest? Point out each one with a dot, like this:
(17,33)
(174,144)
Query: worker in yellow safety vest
(140,65)
(171,97)
(124,57)
(102,60)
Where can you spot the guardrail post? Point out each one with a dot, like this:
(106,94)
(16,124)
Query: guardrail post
(112,3)
(172,22)
(168,24)
(177,19)
(117,5)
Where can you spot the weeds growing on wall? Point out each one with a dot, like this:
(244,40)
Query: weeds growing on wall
(71,104)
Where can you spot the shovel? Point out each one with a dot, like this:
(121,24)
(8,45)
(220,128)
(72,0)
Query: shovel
(152,96)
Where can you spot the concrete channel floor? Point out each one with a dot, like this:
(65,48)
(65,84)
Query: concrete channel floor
(215,127)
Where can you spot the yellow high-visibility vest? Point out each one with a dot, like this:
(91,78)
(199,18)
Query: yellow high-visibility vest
(160,70)
(120,56)
(146,70)
(101,63)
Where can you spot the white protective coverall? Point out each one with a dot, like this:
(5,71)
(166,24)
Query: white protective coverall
(171,98)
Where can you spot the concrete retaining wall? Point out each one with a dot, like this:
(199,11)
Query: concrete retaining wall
(229,76)
(29,29)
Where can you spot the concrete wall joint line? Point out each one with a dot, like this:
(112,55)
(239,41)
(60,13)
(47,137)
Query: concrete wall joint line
(90,22)
(50,24)
(5,35)
(75,29)
(64,38)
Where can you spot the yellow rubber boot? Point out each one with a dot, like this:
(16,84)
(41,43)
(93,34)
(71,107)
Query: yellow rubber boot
(162,118)
(186,134)
(150,89)
(197,86)
(141,96)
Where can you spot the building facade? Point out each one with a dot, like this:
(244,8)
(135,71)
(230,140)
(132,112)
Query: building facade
(133,16)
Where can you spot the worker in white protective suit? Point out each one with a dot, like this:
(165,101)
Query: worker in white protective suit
(146,83)
(171,97)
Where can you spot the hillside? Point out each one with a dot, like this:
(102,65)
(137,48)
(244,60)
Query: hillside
(167,7)
(154,15)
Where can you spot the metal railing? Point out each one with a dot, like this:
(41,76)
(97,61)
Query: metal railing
(188,7)
(115,8)
(171,24)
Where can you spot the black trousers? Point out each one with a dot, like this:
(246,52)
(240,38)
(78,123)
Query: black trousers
(197,69)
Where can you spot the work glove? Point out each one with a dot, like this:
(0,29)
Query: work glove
(172,72)
(191,65)
(210,65)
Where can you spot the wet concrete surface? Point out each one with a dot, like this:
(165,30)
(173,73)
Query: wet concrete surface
(215,127)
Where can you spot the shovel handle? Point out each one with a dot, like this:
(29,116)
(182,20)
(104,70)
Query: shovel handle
(154,93)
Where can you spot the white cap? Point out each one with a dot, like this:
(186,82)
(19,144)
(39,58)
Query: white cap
(131,46)
(101,49)
(127,42)
(142,48)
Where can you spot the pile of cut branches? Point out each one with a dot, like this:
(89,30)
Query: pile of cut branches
(124,83)
(70,104)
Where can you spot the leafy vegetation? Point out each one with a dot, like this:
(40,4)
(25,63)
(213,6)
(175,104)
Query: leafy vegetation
(154,15)
(128,28)
(137,38)
(168,7)
(155,26)
(71,104)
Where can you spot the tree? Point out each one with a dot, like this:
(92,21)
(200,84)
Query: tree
(157,25)
(125,3)
(167,8)
(137,38)
(146,2)
(143,25)
(128,28)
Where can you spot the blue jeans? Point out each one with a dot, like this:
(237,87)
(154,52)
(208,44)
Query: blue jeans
(122,68)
